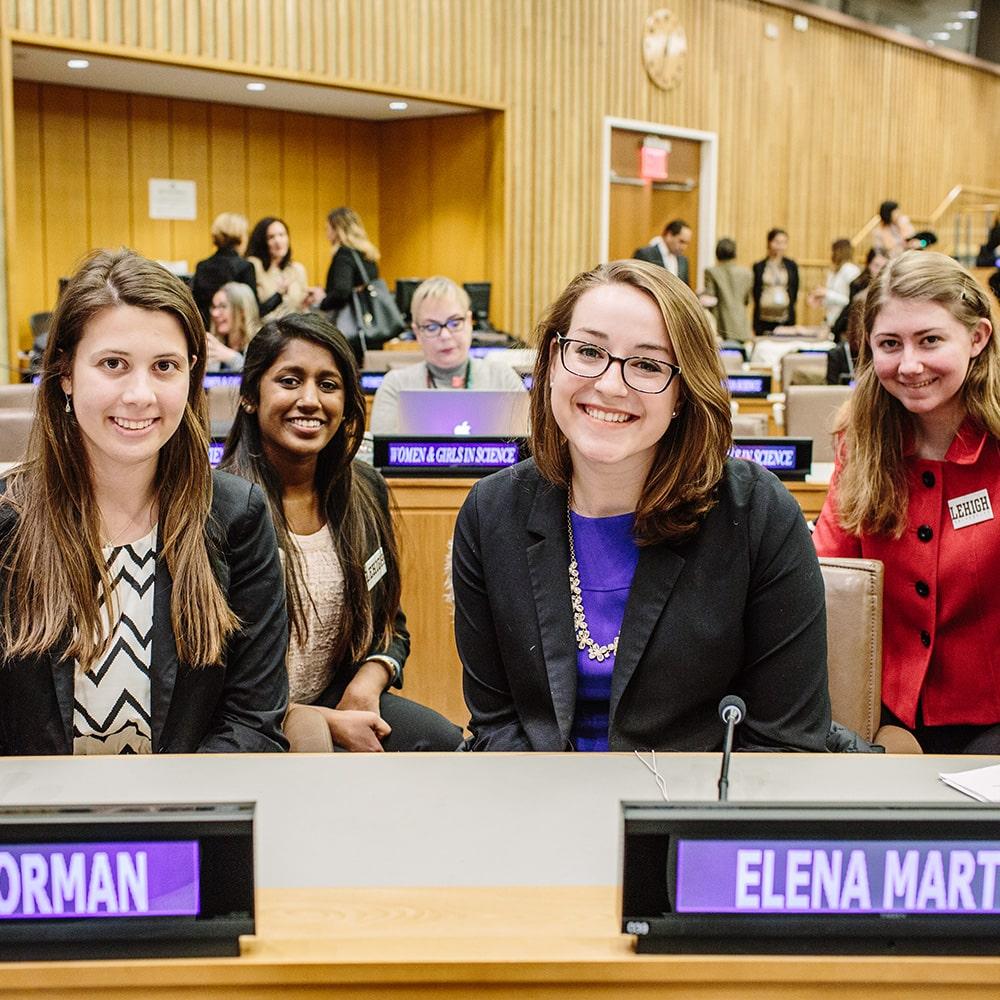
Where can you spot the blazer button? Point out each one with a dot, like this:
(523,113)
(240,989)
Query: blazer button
(928,478)
(925,637)
(922,589)
(924,533)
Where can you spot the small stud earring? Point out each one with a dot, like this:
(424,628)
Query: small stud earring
(69,404)
(674,414)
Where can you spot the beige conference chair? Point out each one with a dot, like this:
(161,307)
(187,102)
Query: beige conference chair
(18,396)
(803,369)
(810,411)
(15,426)
(854,650)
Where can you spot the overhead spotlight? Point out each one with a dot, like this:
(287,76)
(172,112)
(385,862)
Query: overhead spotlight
(398,105)
(968,15)
(77,63)
(954,25)
(256,86)
(941,36)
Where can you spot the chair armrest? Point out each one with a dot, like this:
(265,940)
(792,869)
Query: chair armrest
(897,740)
(307,730)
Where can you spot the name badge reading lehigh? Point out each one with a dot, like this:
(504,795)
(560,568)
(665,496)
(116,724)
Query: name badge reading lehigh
(973,508)
(375,568)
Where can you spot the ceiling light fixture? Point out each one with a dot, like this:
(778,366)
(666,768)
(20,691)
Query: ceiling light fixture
(968,15)
(940,36)
(77,63)
(256,86)
(954,26)
(398,105)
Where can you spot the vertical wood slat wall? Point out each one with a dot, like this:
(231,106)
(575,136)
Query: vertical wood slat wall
(815,128)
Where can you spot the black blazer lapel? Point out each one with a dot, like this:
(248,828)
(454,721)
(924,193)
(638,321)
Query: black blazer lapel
(548,567)
(163,668)
(63,680)
(655,576)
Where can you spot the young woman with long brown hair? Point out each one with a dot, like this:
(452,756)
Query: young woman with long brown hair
(916,485)
(142,601)
(300,422)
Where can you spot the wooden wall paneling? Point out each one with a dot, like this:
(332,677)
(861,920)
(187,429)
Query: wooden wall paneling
(29,289)
(496,263)
(149,141)
(331,188)
(64,191)
(226,163)
(362,175)
(189,154)
(106,170)
(298,194)
(264,140)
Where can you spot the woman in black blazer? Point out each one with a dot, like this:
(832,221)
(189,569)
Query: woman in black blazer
(142,601)
(613,588)
(775,286)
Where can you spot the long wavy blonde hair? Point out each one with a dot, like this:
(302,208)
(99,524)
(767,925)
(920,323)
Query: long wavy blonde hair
(873,496)
(54,570)
(350,232)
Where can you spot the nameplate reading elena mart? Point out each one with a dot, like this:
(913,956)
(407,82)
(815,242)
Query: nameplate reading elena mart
(824,877)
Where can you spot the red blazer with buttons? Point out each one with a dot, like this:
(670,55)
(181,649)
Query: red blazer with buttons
(941,612)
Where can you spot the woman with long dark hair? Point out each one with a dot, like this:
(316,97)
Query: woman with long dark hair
(270,251)
(142,601)
(299,425)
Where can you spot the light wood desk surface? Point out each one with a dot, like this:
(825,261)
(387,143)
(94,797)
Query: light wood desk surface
(522,902)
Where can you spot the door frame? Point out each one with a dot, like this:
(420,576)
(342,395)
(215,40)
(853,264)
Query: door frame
(708,182)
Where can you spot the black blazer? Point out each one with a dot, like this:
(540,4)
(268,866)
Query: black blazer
(651,254)
(344,275)
(237,706)
(737,609)
(211,274)
(758,288)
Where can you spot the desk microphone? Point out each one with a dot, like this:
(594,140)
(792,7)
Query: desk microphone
(732,709)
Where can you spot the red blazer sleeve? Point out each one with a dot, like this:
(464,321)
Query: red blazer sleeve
(829,537)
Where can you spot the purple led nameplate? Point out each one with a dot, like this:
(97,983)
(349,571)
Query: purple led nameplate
(215,452)
(837,877)
(127,879)
(437,455)
(750,383)
(215,380)
(783,456)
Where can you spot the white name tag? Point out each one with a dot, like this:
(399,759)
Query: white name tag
(375,568)
(973,508)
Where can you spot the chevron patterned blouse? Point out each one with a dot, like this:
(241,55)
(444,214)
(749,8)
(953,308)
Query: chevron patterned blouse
(111,707)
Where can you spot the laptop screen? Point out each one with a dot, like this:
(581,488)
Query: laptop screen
(464,412)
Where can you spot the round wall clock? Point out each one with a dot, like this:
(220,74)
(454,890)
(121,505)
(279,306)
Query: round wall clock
(664,47)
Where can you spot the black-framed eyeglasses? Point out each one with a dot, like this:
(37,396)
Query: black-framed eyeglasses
(433,328)
(590,361)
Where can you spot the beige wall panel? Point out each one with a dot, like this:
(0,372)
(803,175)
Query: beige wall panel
(64,193)
(815,128)
(29,291)
(149,147)
(109,209)
(189,145)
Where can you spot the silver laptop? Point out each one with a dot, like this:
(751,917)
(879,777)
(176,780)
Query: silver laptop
(463,412)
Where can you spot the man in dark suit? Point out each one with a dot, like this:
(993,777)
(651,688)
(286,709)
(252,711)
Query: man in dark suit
(669,250)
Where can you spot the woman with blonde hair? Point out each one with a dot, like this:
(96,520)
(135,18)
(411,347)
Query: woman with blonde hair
(915,483)
(235,320)
(143,609)
(613,588)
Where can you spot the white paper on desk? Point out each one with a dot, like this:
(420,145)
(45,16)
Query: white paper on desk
(981,783)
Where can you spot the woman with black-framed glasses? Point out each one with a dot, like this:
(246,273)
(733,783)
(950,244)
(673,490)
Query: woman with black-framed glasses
(612,589)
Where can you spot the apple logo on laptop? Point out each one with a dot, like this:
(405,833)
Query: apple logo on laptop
(463,429)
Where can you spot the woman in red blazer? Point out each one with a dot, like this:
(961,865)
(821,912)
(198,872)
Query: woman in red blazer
(917,476)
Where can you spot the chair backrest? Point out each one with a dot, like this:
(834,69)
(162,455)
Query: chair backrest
(810,411)
(803,369)
(15,425)
(854,641)
(750,425)
(223,402)
(18,396)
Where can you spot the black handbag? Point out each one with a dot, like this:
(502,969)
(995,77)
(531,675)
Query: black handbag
(372,316)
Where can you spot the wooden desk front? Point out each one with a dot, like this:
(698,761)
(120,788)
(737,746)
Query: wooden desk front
(427,509)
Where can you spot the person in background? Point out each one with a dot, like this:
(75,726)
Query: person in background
(234,322)
(835,295)
(300,423)
(143,610)
(229,234)
(875,260)
(669,250)
(775,286)
(269,251)
(916,485)
(894,231)
(729,284)
(612,589)
(842,359)
(442,322)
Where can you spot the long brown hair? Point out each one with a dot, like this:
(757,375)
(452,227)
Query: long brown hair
(691,455)
(54,567)
(348,498)
(873,496)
